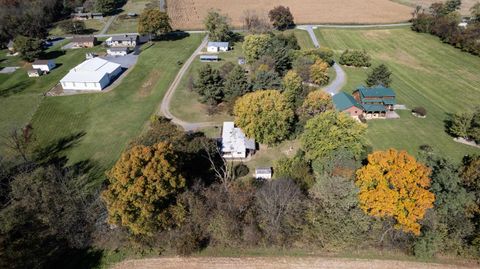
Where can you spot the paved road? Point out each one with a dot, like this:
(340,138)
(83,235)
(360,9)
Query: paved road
(165,105)
(340,78)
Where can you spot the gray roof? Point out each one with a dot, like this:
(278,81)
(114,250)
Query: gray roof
(250,143)
(124,38)
(39,62)
(218,44)
(263,170)
(206,57)
(118,49)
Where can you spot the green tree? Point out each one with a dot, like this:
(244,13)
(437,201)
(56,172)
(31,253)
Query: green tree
(296,168)
(357,58)
(334,218)
(264,115)
(217,26)
(142,190)
(28,47)
(255,46)
(460,124)
(72,26)
(281,17)
(380,75)
(209,85)
(330,131)
(319,72)
(265,79)
(236,83)
(105,6)
(154,22)
(292,86)
(452,5)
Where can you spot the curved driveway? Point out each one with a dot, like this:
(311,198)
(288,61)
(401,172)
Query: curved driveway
(165,105)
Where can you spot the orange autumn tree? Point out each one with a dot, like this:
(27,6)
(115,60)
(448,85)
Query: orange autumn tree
(394,184)
(142,190)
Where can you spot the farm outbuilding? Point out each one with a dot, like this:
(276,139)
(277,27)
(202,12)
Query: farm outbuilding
(217,46)
(209,58)
(44,65)
(84,41)
(263,173)
(32,73)
(91,75)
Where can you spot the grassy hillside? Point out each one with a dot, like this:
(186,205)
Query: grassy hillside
(98,126)
(426,73)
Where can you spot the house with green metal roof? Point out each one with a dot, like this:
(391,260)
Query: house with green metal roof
(376,101)
(346,103)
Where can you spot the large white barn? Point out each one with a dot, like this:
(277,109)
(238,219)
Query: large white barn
(91,75)
(235,145)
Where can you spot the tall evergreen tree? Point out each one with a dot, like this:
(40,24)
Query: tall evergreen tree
(236,83)
(380,75)
(209,85)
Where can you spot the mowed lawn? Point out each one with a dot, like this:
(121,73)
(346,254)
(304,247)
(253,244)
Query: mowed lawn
(21,95)
(101,124)
(426,73)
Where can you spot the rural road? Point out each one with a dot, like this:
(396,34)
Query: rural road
(340,78)
(165,105)
(279,263)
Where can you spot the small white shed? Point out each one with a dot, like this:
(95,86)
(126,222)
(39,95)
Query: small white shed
(263,173)
(217,46)
(43,65)
(33,73)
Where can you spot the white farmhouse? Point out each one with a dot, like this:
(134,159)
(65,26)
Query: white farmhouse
(263,173)
(44,65)
(122,41)
(117,51)
(217,46)
(91,75)
(235,145)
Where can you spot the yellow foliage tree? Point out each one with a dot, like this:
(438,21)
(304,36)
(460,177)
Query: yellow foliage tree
(394,184)
(265,115)
(319,72)
(316,102)
(143,187)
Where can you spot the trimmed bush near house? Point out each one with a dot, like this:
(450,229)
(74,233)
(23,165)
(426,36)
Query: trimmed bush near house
(241,170)
(357,58)
(420,111)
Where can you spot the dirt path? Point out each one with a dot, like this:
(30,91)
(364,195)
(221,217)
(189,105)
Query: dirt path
(278,263)
(107,25)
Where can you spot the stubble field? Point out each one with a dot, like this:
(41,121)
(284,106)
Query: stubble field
(189,14)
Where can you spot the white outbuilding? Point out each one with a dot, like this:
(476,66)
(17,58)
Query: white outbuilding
(235,145)
(44,65)
(92,75)
(263,173)
(217,46)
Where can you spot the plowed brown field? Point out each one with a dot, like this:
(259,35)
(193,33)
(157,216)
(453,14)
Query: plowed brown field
(279,263)
(188,14)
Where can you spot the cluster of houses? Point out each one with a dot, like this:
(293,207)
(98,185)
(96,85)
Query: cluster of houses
(369,103)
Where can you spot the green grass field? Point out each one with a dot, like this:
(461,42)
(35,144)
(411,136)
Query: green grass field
(99,125)
(123,24)
(426,73)
(21,95)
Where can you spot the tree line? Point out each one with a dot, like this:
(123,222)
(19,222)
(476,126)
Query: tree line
(442,20)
